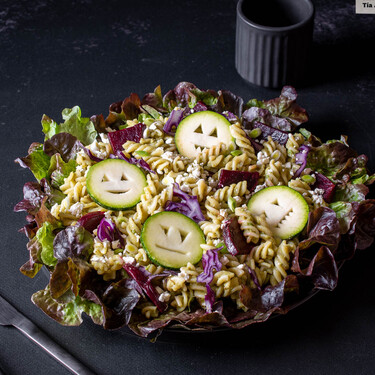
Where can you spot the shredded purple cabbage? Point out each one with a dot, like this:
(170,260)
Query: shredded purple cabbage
(231,117)
(140,162)
(254,277)
(91,155)
(199,107)
(209,298)
(107,230)
(189,205)
(144,278)
(210,261)
(173,121)
(301,158)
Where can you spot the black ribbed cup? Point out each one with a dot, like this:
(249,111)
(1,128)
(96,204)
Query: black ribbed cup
(273,41)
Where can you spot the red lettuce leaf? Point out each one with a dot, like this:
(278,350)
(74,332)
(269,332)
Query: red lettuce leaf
(285,106)
(117,302)
(362,228)
(323,227)
(34,264)
(73,241)
(65,144)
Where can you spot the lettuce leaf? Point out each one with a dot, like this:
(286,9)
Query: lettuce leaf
(73,241)
(80,127)
(37,161)
(59,170)
(67,314)
(45,237)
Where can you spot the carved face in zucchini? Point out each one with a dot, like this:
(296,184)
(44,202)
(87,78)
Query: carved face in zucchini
(172,239)
(115,184)
(201,130)
(285,209)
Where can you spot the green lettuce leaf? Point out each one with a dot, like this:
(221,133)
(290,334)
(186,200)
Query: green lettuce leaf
(59,170)
(67,314)
(80,127)
(45,237)
(37,161)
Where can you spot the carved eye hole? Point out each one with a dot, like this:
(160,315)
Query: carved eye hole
(105,178)
(183,235)
(199,129)
(213,133)
(165,229)
(124,178)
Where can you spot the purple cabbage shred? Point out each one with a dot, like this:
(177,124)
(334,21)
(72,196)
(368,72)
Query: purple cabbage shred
(301,158)
(210,261)
(91,155)
(209,299)
(189,205)
(107,230)
(173,121)
(140,162)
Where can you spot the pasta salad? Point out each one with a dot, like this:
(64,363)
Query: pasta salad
(193,209)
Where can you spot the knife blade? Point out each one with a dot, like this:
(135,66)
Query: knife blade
(10,316)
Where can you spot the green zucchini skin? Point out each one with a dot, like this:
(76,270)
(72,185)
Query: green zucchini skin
(152,232)
(286,210)
(118,175)
(208,121)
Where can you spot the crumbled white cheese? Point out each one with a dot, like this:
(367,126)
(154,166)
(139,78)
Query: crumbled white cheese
(80,168)
(164,297)
(259,187)
(167,180)
(76,209)
(152,126)
(116,244)
(263,158)
(128,260)
(194,170)
(216,241)
(168,155)
(212,182)
(224,213)
(184,275)
(146,133)
(104,137)
(237,199)
(107,214)
(169,140)
(317,196)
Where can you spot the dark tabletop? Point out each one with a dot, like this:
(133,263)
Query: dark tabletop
(57,54)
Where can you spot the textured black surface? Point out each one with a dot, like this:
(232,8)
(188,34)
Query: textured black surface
(56,54)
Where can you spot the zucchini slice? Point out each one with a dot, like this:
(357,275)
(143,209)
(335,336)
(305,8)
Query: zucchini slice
(172,239)
(286,210)
(202,130)
(115,184)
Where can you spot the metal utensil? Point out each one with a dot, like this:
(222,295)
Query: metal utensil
(9,316)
